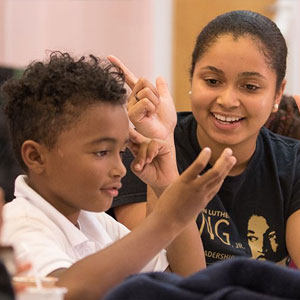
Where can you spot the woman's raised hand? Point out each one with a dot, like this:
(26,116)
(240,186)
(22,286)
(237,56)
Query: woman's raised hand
(150,109)
(154,163)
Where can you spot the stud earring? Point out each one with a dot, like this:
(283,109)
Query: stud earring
(190,92)
(275,106)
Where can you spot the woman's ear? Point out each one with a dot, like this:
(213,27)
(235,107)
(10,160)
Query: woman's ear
(278,95)
(33,155)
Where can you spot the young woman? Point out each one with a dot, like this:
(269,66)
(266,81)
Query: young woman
(237,81)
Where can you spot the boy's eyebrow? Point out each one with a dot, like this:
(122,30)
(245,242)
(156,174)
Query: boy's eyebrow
(107,139)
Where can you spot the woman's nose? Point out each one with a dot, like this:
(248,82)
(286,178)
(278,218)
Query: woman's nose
(228,98)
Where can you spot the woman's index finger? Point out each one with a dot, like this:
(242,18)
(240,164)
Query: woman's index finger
(130,78)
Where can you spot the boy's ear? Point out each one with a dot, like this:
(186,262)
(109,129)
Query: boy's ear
(33,155)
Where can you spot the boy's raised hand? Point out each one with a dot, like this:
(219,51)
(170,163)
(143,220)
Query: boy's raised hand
(154,163)
(150,109)
(190,193)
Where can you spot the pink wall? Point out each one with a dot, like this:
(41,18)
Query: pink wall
(125,28)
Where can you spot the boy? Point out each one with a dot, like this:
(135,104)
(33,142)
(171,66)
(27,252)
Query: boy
(69,130)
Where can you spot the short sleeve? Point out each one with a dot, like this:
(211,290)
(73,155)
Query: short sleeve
(33,241)
(117,230)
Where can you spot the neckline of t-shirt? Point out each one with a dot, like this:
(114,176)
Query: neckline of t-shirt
(252,165)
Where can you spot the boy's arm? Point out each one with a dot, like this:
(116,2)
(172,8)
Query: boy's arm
(185,254)
(177,207)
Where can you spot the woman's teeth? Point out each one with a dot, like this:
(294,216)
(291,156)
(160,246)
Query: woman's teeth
(226,119)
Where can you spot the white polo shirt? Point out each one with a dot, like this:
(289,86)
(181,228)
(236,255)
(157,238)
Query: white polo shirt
(42,235)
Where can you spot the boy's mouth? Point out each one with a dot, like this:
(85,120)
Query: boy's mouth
(112,191)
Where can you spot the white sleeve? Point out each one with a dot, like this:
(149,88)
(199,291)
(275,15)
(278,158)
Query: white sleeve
(34,241)
(117,230)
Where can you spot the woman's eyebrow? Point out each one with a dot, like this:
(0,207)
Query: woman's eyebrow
(214,69)
(251,74)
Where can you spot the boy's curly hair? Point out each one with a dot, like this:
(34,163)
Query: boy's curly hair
(51,95)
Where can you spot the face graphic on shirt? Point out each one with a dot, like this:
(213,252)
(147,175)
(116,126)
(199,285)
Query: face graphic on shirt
(262,240)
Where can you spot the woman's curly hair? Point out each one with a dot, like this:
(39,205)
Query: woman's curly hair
(50,96)
(286,121)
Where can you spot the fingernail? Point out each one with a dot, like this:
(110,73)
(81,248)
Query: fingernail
(137,167)
(229,151)
(206,149)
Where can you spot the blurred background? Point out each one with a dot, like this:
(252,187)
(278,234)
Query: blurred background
(152,37)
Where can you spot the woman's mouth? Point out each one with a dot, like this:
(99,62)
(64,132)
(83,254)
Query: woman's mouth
(226,120)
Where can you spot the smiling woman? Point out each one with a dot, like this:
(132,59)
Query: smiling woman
(232,101)
(237,80)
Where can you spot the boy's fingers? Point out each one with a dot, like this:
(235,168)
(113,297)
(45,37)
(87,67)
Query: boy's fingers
(224,163)
(214,177)
(197,166)
(217,173)
(220,170)
(130,78)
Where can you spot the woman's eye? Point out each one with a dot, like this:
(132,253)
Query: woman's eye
(212,81)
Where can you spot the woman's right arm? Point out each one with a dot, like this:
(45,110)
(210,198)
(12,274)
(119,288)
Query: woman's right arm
(154,116)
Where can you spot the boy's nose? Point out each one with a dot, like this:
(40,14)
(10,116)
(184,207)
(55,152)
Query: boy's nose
(229,98)
(118,169)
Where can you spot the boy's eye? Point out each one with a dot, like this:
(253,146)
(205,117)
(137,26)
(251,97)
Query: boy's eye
(251,87)
(101,153)
(122,153)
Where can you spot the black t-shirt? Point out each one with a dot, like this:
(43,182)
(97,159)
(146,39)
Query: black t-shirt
(248,215)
